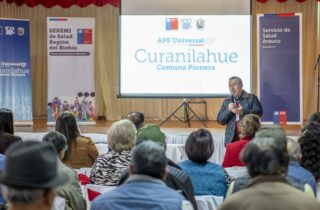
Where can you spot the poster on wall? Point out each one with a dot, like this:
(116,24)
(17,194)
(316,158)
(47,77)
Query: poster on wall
(15,72)
(71,68)
(280,67)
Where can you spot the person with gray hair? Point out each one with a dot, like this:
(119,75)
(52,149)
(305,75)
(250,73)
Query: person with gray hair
(280,141)
(235,107)
(71,191)
(30,176)
(295,170)
(108,167)
(267,164)
(145,188)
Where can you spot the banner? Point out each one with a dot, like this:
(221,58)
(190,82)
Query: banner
(279,66)
(71,68)
(15,77)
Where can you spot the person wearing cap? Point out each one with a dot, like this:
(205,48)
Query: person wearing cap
(176,179)
(30,176)
(71,191)
(145,188)
(108,167)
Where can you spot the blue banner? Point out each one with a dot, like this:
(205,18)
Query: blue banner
(15,77)
(280,66)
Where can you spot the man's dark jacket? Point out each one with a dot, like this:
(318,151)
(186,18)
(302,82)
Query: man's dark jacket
(250,104)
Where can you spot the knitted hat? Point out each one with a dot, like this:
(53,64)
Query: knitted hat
(151,132)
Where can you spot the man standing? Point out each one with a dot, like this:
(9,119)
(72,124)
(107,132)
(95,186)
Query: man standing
(235,107)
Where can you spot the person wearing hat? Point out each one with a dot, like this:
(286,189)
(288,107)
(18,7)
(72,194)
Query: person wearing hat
(30,176)
(176,179)
(71,191)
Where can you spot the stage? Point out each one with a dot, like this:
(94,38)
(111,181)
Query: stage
(172,127)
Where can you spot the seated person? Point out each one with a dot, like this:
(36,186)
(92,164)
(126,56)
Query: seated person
(267,164)
(207,178)
(144,188)
(176,179)
(249,126)
(71,191)
(6,121)
(81,152)
(295,170)
(108,167)
(137,118)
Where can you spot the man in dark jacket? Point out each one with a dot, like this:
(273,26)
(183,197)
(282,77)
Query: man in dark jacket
(235,107)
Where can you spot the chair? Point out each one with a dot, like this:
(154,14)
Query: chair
(237,171)
(208,202)
(58,203)
(95,190)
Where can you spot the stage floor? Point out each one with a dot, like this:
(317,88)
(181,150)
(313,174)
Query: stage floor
(40,125)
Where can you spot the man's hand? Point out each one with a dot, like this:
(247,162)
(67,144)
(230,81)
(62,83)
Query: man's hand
(231,107)
(238,111)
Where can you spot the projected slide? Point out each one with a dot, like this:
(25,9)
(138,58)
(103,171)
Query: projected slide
(183,55)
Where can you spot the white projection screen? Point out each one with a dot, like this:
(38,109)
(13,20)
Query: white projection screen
(184,48)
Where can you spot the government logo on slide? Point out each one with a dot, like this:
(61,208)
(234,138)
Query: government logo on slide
(84,36)
(172,24)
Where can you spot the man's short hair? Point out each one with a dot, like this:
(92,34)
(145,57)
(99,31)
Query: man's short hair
(275,132)
(23,196)
(262,156)
(57,139)
(148,158)
(236,78)
(314,118)
(122,135)
(199,146)
(137,118)
(293,148)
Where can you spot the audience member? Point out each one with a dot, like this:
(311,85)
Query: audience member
(279,136)
(207,178)
(267,164)
(71,191)
(30,176)
(310,149)
(108,168)
(81,151)
(295,170)
(137,118)
(176,179)
(249,126)
(6,121)
(6,139)
(315,118)
(144,189)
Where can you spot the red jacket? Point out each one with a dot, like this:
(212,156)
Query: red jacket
(231,157)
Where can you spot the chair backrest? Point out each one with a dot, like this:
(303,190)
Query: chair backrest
(95,190)
(58,203)
(237,171)
(208,202)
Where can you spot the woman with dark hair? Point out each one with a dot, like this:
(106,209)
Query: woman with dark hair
(310,149)
(207,178)
(81,151)
(6,121)
(250,124)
